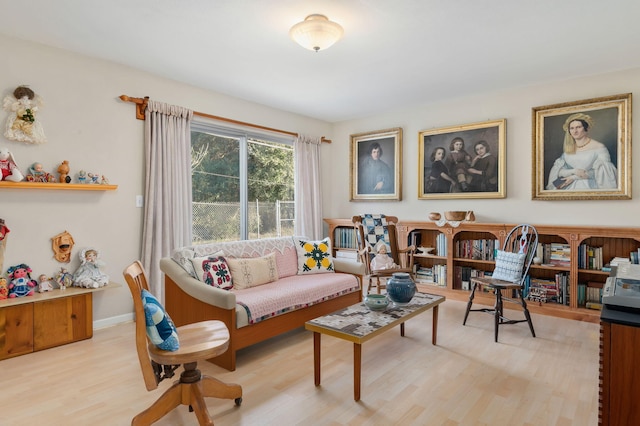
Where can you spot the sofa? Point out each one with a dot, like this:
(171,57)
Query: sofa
(303,281)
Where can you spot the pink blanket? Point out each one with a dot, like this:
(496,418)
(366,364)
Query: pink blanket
(294,292)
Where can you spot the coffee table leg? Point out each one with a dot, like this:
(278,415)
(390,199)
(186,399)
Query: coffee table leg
(434,332)
(402,329)
(357,370)
(316,358)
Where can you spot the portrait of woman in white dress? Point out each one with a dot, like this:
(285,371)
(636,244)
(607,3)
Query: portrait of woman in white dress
(585,163)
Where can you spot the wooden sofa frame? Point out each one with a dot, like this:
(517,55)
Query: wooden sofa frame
(185,309)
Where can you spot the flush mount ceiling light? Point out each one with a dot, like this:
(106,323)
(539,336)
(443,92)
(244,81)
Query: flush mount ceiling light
(316,32)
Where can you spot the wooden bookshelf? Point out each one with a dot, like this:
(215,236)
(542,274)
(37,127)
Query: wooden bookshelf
(614,241)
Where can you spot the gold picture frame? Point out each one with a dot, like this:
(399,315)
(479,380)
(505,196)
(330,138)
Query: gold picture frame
(582,150)
(475,171)
(376,165)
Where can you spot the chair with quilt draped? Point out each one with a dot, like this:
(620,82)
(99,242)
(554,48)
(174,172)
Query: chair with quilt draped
(378,248)
(508,277)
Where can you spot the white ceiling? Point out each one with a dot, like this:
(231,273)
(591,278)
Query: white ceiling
(394,54)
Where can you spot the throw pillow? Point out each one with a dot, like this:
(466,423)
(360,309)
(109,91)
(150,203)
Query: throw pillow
(160,328)
(314,257)
(251,272)
(508,266)
(213,271)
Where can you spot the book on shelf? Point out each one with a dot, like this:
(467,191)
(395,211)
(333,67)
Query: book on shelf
(347,254)
(594,305)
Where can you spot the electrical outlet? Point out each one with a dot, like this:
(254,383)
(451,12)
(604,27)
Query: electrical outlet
(139,201)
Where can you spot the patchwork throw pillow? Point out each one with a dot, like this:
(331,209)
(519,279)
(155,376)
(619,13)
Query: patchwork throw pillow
(213,271)
(160,328)
(251,272)
(508,266)
(314,257)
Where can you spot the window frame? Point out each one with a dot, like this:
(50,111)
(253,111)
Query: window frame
(243,134)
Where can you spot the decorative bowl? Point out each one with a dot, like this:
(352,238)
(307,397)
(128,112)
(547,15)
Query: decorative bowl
(426,250)
(376,302)
(434,216)
(455,215)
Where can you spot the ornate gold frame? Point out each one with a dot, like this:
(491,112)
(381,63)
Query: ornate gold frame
(611,116)
(492,131)
(390,141)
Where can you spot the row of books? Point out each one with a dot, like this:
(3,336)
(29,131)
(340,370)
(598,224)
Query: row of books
(441,245)
(548,290)
(345,238)
(476,249)
(558,254)
(590,257)
(434,275)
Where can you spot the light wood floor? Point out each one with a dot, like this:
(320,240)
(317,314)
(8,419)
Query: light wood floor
(466,379)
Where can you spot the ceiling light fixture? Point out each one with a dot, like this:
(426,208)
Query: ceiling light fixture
(316,32)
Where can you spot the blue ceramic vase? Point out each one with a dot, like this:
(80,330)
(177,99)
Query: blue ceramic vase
(401,288)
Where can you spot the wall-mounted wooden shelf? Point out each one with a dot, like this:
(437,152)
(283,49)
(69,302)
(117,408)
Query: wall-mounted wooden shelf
(58,186)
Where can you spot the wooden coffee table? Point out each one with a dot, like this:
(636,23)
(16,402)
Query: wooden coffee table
(357,324)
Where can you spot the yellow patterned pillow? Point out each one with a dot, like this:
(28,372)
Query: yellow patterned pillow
(314,257)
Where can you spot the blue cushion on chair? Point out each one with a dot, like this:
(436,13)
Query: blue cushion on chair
(160,328)
(508,266)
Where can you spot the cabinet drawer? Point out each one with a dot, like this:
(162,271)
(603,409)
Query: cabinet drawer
(16,330)
(60,321)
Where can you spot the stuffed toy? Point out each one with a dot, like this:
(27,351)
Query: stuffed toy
(8,167)
(63,170)
(4,289)
(22,124)
(21,283)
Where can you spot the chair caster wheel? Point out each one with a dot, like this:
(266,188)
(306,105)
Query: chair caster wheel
(238,401)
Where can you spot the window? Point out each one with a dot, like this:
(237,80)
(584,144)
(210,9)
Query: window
(243,184)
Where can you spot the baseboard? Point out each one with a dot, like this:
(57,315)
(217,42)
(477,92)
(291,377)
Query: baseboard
(108,322)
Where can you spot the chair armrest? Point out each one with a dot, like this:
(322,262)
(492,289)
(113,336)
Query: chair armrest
(197,289)
(349,266)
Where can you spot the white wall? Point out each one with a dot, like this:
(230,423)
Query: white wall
(515,105)
(88,125)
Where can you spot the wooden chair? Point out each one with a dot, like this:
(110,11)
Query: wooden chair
(401,257)
(521,239)
(198,341)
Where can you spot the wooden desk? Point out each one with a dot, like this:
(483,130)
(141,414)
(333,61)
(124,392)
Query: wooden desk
(357,324)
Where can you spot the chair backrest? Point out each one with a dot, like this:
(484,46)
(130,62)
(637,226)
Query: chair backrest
(372,228)
(136,278)
(522,239)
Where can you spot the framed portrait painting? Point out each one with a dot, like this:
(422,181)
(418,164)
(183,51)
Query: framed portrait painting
(376,165)
(465,161)
(582,150)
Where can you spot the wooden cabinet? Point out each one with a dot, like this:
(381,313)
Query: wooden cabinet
(45,320)
(609,242)
(619,372)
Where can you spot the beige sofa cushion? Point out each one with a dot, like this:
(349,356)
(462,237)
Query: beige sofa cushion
(252,272)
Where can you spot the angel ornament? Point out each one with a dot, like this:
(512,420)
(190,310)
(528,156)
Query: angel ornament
(22,123)
(89,275)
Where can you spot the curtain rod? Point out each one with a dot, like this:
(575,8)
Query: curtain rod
(141,106)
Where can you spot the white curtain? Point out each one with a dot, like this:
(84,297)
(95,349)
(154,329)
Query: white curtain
(167,212)
(308,193)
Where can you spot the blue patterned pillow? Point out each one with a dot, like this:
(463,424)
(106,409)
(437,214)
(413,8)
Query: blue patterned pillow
(508,266)
(160,328)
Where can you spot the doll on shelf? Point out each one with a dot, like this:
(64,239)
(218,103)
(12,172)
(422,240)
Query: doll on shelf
(44,284)
(8,168)
(64,279)
(382,260)
(36,174)
(89,275)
